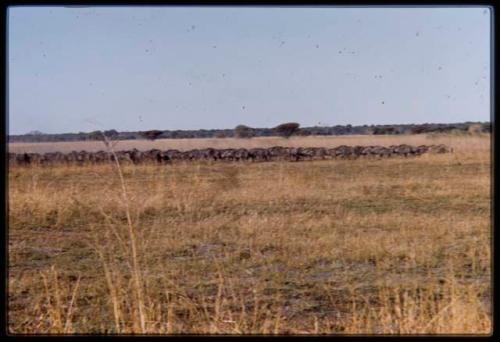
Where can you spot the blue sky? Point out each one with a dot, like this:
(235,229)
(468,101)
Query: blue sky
(138,68)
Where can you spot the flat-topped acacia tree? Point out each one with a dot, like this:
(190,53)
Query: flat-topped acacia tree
(288,129)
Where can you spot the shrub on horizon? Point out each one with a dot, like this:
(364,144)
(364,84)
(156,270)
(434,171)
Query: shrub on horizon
(242,131)
(151,135)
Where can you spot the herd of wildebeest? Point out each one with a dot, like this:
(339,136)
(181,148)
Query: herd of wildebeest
(241,154)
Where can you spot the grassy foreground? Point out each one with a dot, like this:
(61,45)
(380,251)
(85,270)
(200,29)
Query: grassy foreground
(398,246)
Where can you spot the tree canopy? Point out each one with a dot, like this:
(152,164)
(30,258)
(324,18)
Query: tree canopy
(287,129)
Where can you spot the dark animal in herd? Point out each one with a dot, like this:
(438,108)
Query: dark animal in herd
(254,154)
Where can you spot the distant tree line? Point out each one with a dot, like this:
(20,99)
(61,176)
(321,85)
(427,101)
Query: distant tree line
(241,131)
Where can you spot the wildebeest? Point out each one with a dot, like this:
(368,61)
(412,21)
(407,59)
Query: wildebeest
(229,154)
(241,154)
(172,155)
(343,151)
(403,150)
(258,154)
(440,149)
(153,155)
(277,152)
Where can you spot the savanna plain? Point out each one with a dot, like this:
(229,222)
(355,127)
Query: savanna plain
(366,246)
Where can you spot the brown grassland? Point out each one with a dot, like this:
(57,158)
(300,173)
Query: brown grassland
(367,246)
(189,144)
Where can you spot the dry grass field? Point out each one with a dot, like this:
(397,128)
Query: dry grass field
(366,246)
(189,144)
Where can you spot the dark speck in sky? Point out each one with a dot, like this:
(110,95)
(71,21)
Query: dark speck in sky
(214,47)
(243,107)
(417,34)
(317,46)
(440,68)
(383,102)
(340,51)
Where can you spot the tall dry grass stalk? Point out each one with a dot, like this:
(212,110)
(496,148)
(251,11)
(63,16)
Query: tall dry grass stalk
(54,305)
(132,243)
